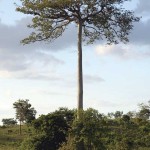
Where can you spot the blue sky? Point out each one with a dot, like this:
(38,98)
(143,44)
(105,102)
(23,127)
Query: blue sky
(116,77)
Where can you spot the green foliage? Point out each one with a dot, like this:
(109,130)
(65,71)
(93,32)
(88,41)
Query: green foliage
(9,121)
(58,120)
(24,111)
(12,140)
(95,131)
(92,131)
(99,19)
(51,129)
(86,133)
(39,142)
(144,112)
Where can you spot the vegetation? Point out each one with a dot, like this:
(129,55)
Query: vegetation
(51,129)
(24,111)
(93,131)
(96,131)
(10,139)
(66,129)
(9,121)
(96,19)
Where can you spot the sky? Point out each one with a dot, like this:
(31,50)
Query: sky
(116,77)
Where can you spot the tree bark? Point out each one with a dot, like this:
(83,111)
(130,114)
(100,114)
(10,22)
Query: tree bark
(20,128)
(80,75)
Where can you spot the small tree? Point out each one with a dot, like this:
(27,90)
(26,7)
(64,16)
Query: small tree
(52,130)
(144,112)
(24,111)
(86,133)
(118,114)
(9,121)
(96,19)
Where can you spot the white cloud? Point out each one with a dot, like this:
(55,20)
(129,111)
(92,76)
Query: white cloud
(125,52)
(16,57)
(12,35)
(112,50)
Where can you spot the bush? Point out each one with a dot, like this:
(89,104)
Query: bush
(39,142)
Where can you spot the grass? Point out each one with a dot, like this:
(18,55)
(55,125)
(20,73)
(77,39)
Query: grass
(10,139)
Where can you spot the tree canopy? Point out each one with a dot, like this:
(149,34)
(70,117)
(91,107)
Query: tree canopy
(52,130)
(24,111)
(99,19)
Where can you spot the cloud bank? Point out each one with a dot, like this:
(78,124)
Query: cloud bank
(15,57)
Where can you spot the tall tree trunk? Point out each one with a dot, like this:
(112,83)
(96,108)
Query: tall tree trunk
(80,75)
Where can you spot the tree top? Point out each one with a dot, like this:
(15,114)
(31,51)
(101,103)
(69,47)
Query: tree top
(99,19)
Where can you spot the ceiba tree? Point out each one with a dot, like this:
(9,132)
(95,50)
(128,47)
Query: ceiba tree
(96,19)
